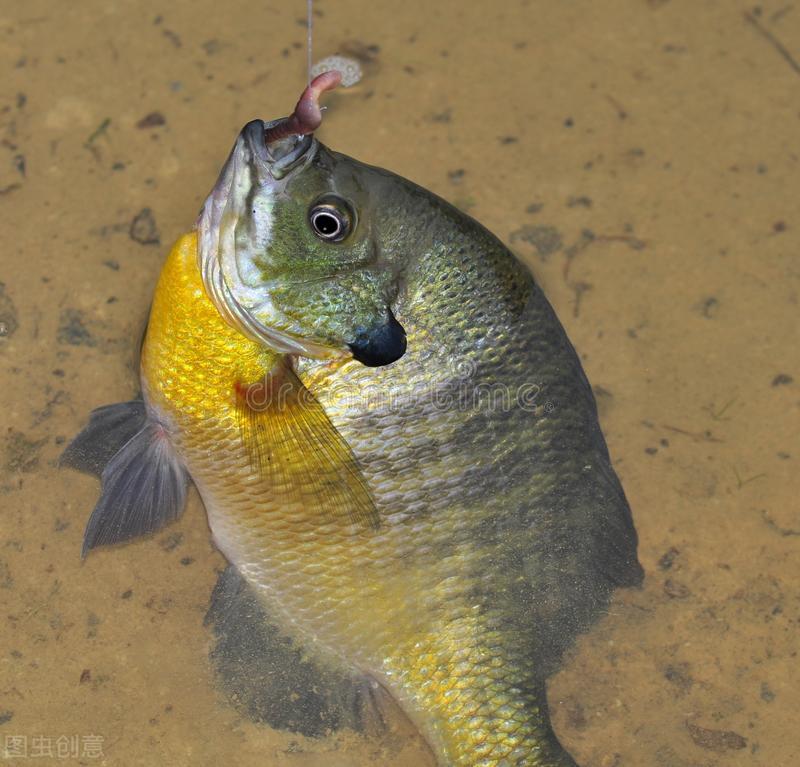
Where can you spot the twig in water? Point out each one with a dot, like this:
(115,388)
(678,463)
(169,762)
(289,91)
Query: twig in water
(773,41)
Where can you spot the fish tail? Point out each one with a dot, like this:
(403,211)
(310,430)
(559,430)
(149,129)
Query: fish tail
(143,481)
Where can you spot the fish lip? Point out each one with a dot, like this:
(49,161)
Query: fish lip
(277,166)
(250,165)
(302,152)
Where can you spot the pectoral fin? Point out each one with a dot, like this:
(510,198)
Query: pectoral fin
(297,449)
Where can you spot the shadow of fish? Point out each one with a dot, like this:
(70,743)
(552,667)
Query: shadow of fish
(395,443)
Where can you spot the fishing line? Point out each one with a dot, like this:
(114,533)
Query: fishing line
(310,28)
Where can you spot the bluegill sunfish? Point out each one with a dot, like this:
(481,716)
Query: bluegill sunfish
(395,442)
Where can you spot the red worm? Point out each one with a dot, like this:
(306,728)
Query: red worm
(307,115)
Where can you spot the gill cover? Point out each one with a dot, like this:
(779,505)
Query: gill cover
(258,272)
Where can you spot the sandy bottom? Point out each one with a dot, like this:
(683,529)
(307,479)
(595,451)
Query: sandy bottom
(641,156)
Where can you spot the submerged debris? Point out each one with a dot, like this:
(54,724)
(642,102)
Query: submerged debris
(667,560)
(546,239)
(349,69)
(782,379)
(715,740)
(8,314)
(97,132)
(72,329)
(143,228)
(22,454)
(151,120)
(708,307)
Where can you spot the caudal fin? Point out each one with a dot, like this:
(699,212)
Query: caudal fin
(143,481)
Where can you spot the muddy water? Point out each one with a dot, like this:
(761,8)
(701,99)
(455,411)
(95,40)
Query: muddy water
(641,156)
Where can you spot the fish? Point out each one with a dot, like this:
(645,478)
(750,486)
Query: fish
(395,443)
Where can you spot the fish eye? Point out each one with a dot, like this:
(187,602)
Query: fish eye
(331,219)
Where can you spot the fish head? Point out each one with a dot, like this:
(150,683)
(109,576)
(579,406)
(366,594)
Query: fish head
(289,254)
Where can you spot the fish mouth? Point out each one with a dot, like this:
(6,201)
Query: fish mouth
(253,176)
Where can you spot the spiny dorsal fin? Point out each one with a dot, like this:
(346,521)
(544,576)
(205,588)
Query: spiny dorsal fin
(298,451)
